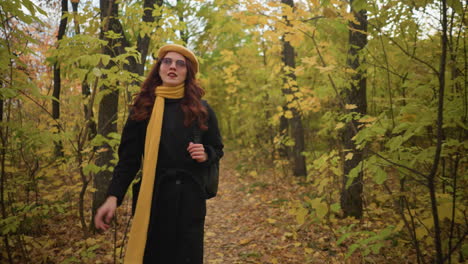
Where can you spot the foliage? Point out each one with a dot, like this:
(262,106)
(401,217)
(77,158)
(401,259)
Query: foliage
(239,44)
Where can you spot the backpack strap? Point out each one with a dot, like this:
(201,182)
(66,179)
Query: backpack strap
(196,134)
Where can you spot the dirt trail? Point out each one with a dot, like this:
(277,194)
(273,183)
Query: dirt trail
(246,223)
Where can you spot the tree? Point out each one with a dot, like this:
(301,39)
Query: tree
(292,120)
(351,196)
(108,105)
(57,78)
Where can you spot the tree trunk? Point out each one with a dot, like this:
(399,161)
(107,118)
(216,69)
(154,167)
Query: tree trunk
(108,105)
(351,197)
(142,43)
(3,208)
(432,179)
(295,122)
(75,4)
(57,80)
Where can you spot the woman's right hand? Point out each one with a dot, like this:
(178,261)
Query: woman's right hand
(105,213)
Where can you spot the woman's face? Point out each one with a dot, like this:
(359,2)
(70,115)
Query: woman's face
(173,70)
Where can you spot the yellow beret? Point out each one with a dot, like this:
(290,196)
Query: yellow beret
(179,49)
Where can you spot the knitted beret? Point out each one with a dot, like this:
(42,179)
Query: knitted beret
(179,49)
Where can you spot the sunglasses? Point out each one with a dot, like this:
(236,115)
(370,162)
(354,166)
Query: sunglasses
(178,63)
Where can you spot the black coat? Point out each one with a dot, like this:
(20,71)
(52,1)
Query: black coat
(175,232)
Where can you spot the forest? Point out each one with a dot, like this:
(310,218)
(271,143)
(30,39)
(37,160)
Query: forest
(344,124)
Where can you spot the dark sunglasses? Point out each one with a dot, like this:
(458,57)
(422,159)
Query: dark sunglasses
(178,63)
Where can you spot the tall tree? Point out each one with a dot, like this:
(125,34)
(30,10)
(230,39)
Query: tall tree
(108,106)
(143,42)
(289,90)
(351,196)
(431,178)
(57,79)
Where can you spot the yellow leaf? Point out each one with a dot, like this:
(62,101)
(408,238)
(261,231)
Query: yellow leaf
(325,69)
(231,89)
(309,60)
(320,207)
(271,220)
(288,114)
(90,241)
(421,232)
(400,226)
(294,39)
(102,150)
(330,13)
(349,156)
(350,106)
(245,241)
(339,125)
(367,119)
(299,71)
(445,211)
(271,35)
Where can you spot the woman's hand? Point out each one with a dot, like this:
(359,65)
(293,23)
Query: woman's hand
(197,152)
(105,213)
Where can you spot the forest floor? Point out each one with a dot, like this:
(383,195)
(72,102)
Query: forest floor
(254,219)
(248,222)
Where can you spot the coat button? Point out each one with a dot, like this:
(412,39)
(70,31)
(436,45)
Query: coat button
(177,182)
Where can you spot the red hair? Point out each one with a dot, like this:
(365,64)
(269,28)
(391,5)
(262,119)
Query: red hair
(191,103)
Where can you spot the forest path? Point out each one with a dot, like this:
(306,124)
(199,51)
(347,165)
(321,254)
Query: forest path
(247,222)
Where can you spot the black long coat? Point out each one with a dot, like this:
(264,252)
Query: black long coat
(175,232)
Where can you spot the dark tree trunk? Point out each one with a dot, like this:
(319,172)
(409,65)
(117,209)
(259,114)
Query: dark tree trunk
(283,150)
(3,208)
(295,123)
(108,106)
(88,111)
(351,197)
(432,179)
(142,43)
(57,80)
(75,13)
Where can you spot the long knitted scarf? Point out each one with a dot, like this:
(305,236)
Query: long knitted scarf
(138,232)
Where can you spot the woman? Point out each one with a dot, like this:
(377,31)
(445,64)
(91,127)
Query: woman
(169,219)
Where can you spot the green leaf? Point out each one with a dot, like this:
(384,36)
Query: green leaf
(336,207)
(380,176)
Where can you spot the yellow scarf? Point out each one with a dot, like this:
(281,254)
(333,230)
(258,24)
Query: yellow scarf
(139,231)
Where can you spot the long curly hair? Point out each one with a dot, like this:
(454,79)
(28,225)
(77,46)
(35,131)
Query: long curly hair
(191,103)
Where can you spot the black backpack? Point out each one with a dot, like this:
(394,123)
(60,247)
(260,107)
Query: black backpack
(211,173)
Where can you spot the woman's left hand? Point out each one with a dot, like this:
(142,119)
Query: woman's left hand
(197,152)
